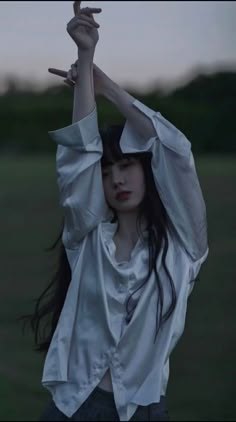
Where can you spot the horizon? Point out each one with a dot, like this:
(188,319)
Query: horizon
(166,49)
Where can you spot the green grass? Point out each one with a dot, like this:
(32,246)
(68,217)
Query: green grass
(201,384)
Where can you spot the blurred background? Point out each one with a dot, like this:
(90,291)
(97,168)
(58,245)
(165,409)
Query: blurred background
(178,58)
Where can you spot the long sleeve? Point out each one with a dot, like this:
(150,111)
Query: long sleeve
(79,178)
(175,178)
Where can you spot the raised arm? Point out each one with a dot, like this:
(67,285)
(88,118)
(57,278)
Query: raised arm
(172,162)
(79,145)
(104,86)
(83,30)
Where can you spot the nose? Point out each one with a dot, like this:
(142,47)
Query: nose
(117,177)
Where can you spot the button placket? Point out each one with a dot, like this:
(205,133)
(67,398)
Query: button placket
(131,279)
(121,289)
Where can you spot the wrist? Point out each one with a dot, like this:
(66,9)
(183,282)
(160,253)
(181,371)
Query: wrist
(85,72)
(85,55)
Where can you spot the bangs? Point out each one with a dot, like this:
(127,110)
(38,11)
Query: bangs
(111,144)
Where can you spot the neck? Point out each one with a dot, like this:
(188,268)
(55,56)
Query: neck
(127,227)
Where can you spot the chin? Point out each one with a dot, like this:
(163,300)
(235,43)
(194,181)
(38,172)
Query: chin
(127,207)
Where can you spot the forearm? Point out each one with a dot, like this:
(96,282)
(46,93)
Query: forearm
(84,99)
(123,101)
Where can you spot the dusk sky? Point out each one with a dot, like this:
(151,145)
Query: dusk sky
(140,44)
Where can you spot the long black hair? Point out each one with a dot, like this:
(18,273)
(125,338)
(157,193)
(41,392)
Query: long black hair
(50,303)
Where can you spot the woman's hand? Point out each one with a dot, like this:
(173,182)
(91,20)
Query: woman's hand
(83,29)
(99,77)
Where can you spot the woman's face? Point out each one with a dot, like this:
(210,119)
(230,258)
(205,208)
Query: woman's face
(124,184)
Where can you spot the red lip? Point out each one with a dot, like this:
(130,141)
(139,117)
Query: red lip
(123,195)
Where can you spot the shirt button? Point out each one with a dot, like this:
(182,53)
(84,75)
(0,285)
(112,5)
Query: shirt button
(97,367)
(121,288)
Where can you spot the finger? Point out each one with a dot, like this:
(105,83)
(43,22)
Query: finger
(69,83)
(89,10)
(82,18)
(69,75)
(86,18)
(74,72)
(58,72)
(89,20)
(74,20)
(82,22)
(76,7)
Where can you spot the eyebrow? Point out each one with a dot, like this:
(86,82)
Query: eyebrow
(110,163)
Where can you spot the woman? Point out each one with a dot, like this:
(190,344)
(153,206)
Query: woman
(133,241)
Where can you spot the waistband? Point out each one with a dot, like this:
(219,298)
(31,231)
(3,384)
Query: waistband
(105,392)
(107,398)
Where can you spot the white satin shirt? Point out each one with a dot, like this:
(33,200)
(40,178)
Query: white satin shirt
(92,335)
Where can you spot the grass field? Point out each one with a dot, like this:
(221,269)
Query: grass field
(203,370)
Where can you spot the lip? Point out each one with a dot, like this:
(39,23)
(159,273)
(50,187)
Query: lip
(122,196)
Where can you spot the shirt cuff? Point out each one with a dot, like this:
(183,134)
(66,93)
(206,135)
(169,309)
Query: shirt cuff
(78,135)
(167,133)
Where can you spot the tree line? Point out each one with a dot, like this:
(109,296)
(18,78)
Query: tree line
(202,110)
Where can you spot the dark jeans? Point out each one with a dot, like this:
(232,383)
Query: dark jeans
(100,406)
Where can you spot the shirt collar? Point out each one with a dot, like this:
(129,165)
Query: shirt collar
(109,229)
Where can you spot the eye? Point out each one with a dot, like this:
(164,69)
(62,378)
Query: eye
(104,173)
(128,162)
(124,165)
(106,170)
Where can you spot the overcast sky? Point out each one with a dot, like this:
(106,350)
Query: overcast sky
(140,42)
